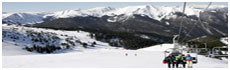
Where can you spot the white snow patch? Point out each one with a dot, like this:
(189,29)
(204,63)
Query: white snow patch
(167,23)
(10,49)
(161,47)
(145,36)
(224,40)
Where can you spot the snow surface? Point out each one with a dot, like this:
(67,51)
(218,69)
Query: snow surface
(11,49)
(103,58)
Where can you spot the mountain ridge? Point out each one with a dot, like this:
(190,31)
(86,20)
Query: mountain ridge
(154,12)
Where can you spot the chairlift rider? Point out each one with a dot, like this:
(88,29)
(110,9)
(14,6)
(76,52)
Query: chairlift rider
(180,60)
(170,60)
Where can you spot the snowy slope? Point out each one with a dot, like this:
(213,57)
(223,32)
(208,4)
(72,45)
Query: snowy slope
(100,56)
(103,58)
(23,18)
(161,47)
(10,49)
(30,37)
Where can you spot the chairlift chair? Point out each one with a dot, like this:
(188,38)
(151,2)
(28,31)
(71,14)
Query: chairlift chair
(216,54)
(179,52)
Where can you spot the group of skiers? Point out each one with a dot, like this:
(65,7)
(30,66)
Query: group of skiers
(173,60)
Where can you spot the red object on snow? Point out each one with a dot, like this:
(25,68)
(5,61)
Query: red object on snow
(164,62)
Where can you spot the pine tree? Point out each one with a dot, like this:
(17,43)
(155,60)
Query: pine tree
(84,45)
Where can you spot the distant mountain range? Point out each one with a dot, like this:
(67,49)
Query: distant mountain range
(160,20)
(154,12)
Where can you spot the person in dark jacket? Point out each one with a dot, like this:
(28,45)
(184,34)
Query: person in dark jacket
(180,60)
(170,60)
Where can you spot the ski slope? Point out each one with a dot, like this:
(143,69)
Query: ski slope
(99,58)
(13,50)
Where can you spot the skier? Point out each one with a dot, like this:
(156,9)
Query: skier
(170,60)
(189,60)
(180,60)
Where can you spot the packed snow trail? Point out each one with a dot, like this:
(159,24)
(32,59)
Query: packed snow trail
(10,49)
(102,58)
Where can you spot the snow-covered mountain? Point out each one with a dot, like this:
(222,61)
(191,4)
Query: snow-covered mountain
(161,20)
(23,18)
(98,11)
(154,12)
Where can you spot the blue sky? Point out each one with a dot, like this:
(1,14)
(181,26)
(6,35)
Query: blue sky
(58,6)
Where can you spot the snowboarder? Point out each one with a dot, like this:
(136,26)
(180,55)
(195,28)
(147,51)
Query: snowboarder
(180,60)
(170,60)
(189,61)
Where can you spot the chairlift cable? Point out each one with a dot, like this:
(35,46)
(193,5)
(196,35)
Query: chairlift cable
(208,6)
(189,31)
(199,21)
(182,20)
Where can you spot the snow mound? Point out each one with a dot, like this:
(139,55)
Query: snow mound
(161,47)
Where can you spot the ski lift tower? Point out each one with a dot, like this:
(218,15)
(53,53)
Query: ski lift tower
(175,49)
